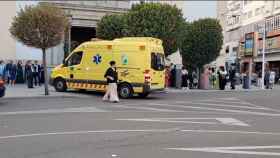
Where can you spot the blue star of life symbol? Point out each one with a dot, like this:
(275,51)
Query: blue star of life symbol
(97,59)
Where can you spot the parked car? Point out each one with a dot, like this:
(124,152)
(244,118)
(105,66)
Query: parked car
(2,88)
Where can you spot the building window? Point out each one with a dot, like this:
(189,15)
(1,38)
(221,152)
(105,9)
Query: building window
(277,5)
(245,2)
(250,14)
(227,49)
(257,11)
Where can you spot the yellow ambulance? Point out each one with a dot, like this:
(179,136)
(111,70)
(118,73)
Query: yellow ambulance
(140,66)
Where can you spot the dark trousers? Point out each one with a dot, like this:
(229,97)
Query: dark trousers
(30,81)
(36,78)
(232,84)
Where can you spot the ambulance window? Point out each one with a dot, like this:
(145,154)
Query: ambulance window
(75,59)
(157,61)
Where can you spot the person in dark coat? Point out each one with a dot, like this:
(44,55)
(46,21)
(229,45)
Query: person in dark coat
(112,79)
(13,74)
(36,73)
(184,78)
(222,78)
(8,70)
(266,78)
(173,76)
(29,74)
(20,76)
(232,77)
(42,74)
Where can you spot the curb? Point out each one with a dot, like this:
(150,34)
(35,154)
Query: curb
(212,91)
(44,97)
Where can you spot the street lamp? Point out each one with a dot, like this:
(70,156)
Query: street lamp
(263,53)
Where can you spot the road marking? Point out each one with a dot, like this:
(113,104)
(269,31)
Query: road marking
(166,121)
(134,131)
(234,150)
(232,132)
(146,108)
(232,121)
(217,109)
(226,121)
(55,111)
(222,105)
(89,132)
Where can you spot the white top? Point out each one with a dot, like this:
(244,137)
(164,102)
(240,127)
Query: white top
(184,72)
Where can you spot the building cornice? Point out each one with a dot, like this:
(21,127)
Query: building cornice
(88,7)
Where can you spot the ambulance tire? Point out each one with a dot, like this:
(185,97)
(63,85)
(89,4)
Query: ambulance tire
(125,91)
(143,95)
(60,85)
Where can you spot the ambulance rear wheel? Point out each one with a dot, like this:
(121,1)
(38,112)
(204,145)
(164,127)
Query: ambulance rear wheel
(60,85)
(125,91)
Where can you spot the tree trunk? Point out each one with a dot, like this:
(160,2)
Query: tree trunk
(45,72)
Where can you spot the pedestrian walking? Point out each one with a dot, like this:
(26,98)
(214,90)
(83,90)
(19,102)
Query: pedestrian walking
(195,79)
(29,74)
(2,70)
(266,78)
(204,82)
(20,76)
(112,78)
(13,74)
(167,76)
(232,77)
(173,75)
(212,78)
(8,69)
(259,73)
(271,79)
(36,73)
(42,74)
(222,78)
(184,78)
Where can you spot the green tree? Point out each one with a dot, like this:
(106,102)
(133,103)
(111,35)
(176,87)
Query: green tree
(157,20)
(41,26)
(111,27)
(202,42)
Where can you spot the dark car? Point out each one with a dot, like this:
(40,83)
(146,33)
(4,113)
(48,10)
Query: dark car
(2,88)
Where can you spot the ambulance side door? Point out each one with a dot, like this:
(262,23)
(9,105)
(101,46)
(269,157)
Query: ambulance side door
(75,66)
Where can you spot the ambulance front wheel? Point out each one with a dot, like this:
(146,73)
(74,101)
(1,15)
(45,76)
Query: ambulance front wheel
(125,91)
(60,85)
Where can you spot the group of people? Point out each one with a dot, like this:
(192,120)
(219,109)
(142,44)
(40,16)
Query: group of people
(217,79)
(30,73)
(189,79)
(269,79)
(210,78)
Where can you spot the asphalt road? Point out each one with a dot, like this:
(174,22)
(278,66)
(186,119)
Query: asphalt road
(166,125)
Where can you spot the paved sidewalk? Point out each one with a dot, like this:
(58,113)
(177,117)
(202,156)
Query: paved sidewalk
(21,91)
(238,89)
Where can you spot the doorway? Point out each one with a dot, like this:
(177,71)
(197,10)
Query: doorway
(81,34)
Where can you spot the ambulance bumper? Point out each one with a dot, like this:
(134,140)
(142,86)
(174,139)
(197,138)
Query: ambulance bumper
(149,89)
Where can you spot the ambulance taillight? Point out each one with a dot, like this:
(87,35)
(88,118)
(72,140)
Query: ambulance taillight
(147,76)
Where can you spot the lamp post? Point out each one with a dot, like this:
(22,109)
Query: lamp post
(263,53)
